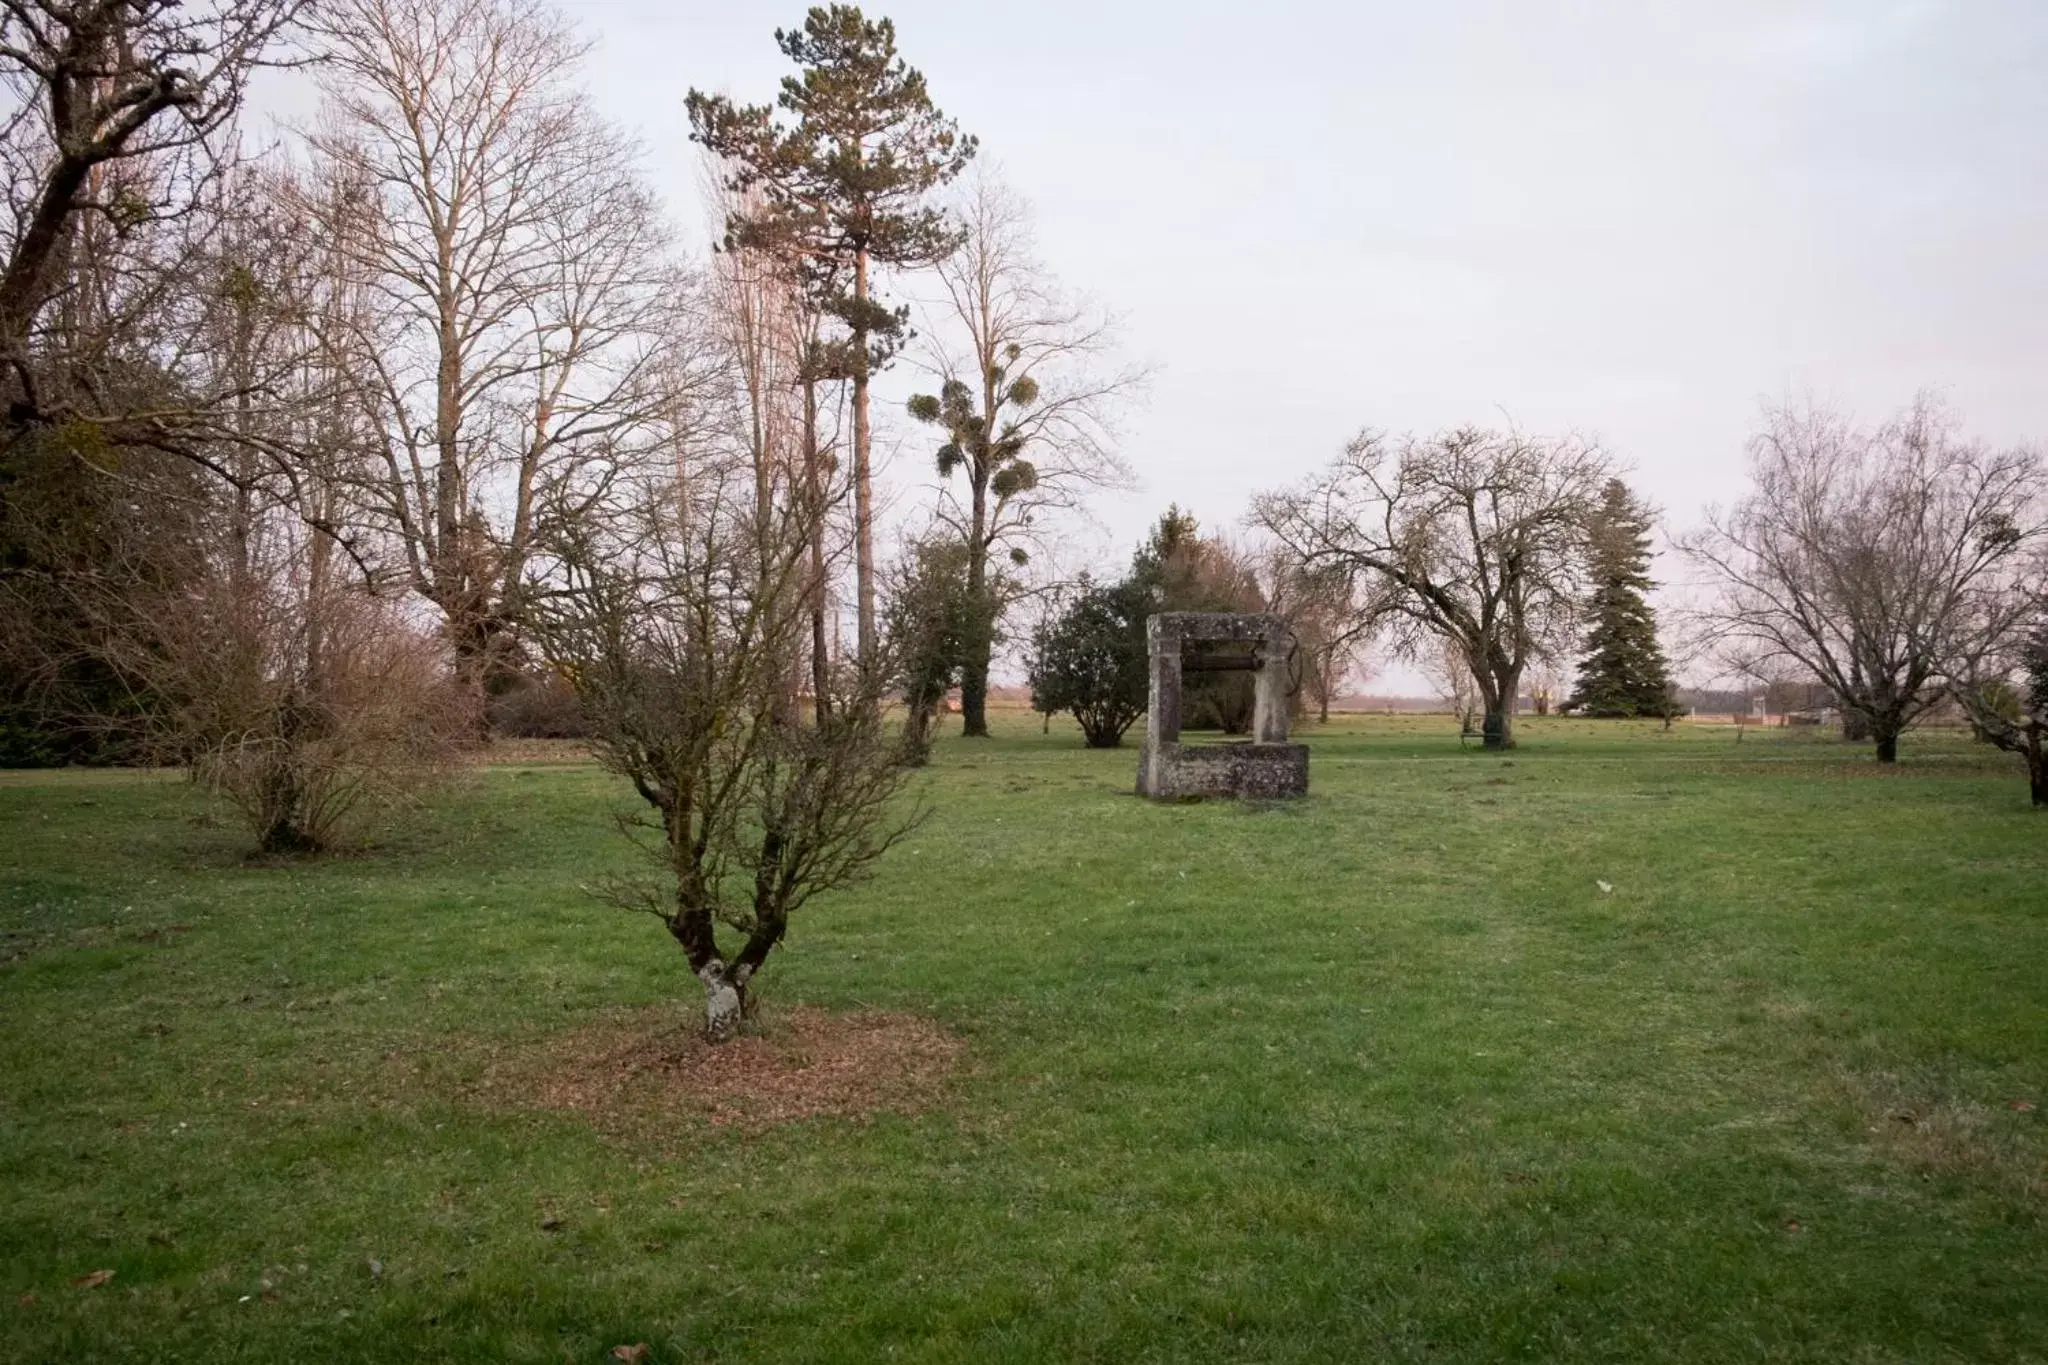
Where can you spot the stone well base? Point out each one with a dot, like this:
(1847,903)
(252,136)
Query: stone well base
(1174,771)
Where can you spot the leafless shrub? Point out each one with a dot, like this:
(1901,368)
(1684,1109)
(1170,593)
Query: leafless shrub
(307,704)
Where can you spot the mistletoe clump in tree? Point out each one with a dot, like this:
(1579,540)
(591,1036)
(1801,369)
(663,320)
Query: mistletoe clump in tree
(1623,671)
(1022,409)
(989,445)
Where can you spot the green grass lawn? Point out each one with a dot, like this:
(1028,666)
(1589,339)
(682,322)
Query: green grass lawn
(1380,1075)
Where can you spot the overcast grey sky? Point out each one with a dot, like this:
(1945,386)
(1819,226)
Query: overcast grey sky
(1635,219)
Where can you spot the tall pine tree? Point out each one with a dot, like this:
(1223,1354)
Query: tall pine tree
(1623,671)
(844,167)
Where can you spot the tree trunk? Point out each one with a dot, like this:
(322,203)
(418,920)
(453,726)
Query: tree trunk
(22,287)
(974,690)
(980,641)
(2032,733)
(917,732)
(1498,729)
(863,492)
(814,492)
(467,639)
(1887,744)
(724,986)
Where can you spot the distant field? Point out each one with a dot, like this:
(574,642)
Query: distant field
(1630,1045)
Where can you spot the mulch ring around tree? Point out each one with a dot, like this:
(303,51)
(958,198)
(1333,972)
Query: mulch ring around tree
(640,1071)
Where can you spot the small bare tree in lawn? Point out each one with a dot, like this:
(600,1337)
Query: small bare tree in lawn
(293,692)
(677,619)
(1450,673)
(1874,561)
(1476,538)
(1545,681)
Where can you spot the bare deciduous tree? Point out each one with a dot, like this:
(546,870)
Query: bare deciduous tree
(272,665)
(293,691)
(519,280)
(1875,561)
(2005,693)
(766,324)
(95,83)
(1473,537)
(1332,630)
(678,632)
(1450,673)
(1545,678)
(1024,408)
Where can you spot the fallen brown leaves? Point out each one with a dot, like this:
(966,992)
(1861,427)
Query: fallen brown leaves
(645,1071)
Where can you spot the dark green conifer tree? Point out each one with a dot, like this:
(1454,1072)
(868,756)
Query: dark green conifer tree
(1623,671)
(1180,569)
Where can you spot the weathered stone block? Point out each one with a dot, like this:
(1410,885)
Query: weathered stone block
(1248,770)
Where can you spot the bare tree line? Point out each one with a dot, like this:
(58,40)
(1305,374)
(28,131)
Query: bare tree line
(1897,568)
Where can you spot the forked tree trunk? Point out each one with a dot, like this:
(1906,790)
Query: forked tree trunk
(724,997)
(725,982)
(1887,744)
(1497,731)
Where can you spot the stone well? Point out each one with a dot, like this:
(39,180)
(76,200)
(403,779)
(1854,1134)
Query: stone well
(1267,765)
